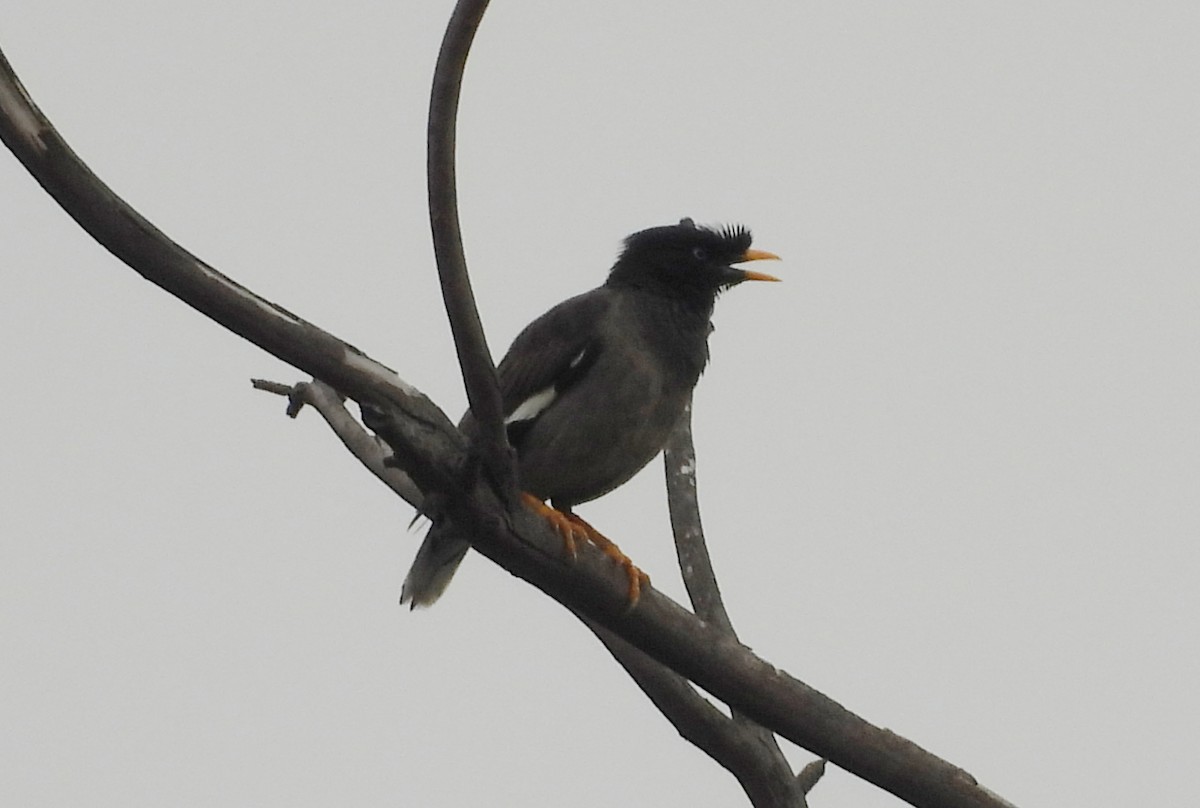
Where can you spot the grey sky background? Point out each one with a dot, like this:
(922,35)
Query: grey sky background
(949,468)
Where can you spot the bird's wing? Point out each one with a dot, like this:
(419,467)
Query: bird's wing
(548,357)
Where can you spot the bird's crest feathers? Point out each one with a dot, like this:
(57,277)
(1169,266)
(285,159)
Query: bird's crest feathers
(733,239)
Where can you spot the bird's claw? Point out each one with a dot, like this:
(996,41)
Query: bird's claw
(566,529)
(572,529)
(637,578)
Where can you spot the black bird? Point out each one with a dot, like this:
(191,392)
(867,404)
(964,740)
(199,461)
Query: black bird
(593,387)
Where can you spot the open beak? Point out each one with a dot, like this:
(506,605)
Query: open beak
(757,255)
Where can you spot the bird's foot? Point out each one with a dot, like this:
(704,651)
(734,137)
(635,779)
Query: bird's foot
(567,530)
(572,529)
(637,578)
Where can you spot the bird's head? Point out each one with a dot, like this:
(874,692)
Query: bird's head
(686,260)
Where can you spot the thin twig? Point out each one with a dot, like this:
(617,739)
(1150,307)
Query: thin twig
(368,449)
(809,775)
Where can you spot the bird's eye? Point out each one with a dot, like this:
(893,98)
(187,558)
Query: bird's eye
(699,253)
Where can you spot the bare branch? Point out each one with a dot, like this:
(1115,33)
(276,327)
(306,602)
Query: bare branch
(735,747)
(771,776)
(279,389)
(478,368)
(368,449)
(679,459)
(810,775)
(694,716)
(706,654)
(148,251)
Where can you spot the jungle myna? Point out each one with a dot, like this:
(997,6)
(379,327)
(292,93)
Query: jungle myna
(593,387)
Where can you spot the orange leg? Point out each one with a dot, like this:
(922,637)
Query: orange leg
(567,530)
(637,578)
(572,529)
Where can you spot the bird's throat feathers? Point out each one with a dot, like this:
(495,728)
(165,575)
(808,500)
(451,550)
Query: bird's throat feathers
(677,326)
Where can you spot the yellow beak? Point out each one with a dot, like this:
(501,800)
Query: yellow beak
(758,255)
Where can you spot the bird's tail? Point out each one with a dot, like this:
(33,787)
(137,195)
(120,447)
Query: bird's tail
(431,571)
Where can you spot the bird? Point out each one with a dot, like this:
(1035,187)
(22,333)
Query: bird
(593,388)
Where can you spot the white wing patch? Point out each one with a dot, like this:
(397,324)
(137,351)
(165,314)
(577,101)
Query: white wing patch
(533,406)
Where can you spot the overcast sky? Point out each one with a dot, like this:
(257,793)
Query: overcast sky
(950,468)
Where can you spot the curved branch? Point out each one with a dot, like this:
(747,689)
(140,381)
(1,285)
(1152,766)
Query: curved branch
(771,776)
(683,502)
(746,750)
(148,251)
(474,358)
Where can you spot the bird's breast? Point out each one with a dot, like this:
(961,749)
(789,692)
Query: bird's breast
(607,427)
